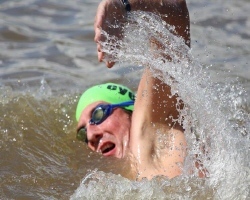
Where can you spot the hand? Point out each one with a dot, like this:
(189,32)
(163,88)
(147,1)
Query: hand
(109,18)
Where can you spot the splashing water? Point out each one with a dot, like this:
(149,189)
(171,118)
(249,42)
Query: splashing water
(216,120)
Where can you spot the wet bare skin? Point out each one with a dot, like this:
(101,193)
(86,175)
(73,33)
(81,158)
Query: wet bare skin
(141,136)
(148,156)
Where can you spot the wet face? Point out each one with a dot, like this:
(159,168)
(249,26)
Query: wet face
(111,137)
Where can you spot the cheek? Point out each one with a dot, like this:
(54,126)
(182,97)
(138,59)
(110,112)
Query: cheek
(119,125)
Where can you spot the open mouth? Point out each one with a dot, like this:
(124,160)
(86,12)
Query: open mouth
(107,147)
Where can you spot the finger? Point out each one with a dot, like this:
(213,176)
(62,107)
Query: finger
(100,14)
(100,56)
(98,35)
(110,64)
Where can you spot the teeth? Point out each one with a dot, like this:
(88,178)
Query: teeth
(107,147)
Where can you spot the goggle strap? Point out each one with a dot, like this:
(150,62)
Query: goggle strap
(123,104)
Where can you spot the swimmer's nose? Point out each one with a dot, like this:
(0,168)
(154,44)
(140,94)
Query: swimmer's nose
(94,137)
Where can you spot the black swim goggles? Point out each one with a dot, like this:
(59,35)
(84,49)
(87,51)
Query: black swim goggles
(100,114)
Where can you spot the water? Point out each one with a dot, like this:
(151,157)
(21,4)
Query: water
(48,57)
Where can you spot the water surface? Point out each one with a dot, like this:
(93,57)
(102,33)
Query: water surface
(48,57)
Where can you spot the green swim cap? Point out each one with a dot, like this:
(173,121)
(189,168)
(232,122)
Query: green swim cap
(108,92)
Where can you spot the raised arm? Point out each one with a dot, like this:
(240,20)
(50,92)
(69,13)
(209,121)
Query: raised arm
(155,106)
(158,105)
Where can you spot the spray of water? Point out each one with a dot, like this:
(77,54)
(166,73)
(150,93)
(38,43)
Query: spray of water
(215,118)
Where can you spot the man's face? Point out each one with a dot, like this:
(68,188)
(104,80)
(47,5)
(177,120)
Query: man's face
(111,137)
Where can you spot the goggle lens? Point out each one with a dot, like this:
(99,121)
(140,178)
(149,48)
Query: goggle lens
(98,115)
(82,135)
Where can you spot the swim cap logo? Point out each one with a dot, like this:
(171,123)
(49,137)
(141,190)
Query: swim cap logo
(122,91)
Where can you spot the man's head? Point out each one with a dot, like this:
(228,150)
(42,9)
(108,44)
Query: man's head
(109,92)
(106,128)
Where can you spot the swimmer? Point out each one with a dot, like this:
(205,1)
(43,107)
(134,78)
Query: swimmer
(113,124)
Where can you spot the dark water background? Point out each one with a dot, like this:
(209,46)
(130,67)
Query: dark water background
(48,57)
